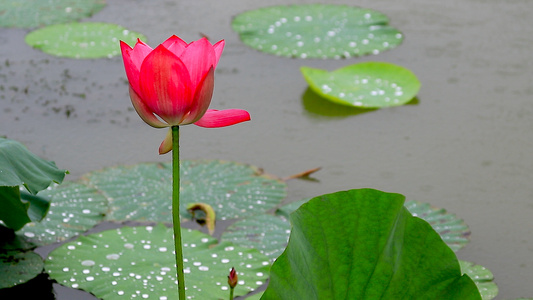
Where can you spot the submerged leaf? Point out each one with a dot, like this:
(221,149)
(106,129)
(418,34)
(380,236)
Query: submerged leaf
(18,267)
(316,31)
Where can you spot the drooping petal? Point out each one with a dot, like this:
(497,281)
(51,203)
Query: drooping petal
(218,47)
(165,85)
(199,56)
(175,45)
(219,118)
(166,145)
(144,111)
(202,98)
(133,59)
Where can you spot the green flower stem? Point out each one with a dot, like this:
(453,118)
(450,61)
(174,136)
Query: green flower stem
(176,209)
(231,293)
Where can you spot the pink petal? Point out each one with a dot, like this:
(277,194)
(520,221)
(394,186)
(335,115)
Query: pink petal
(166,145)
(175,45)
(199,56)
(144,112)
(218,47)
(165,85)
(219,118)
(133,59)
(202,98)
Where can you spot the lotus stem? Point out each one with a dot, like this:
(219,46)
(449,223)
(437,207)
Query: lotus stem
(176,210)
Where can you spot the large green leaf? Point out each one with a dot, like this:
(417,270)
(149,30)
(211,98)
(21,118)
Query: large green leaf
(35,13)
(143,192)
(18,267)
(365,85)
(18,166)
(82,40)
(364,244)
(138,262)
(316,31)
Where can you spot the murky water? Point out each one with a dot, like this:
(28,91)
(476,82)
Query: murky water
(466,145)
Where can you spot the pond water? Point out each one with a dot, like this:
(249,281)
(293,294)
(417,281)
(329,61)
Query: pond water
(466,145)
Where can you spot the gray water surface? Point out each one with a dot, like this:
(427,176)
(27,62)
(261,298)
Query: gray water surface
(465,146)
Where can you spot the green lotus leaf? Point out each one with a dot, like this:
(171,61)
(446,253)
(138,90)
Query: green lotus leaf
(266,233)
(35,13)
(82,40)
(364,244)
(364,85)
(316,31)
(482,277)
(75,209)
(453,231)
(139,262)
(143,192)
(20,167)
(18,267)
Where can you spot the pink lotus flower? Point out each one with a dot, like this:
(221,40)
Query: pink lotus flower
(172,84)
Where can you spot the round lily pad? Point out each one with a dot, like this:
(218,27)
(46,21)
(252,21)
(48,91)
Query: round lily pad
(18,267)
(35,13)
(82,40)
(138,262)
(75,208)
(365,85)
(143,192)
(316,31)
(482,277)
(453,231)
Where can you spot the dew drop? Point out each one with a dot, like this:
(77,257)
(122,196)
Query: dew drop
(89,278)
(128,246)
(88,263)
(203,268)
(331,33)
(113,256)
(86,211)
(29,234)
(225,260)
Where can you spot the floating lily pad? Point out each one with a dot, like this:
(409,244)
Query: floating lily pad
(82,40)
(453,231)
(143,192)
(19,267)
(365,85)
(75,208)
(266,233)
(364,244)
(138,262)
(317,31)
(482,277)
(35,13)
